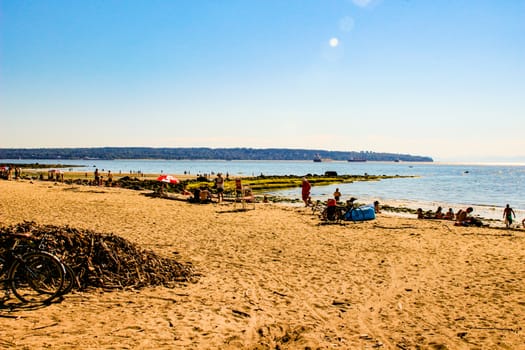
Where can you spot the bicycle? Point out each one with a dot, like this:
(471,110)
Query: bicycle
(33,277)
(331,212)
(318,207)
(70,278)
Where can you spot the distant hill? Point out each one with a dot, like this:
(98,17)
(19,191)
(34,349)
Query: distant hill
(200,153)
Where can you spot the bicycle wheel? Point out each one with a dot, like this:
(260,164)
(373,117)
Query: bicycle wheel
(42,285)
(70,279)
(37,278)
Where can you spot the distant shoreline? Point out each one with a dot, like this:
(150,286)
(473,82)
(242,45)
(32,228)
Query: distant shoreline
(31,161)
(201,153)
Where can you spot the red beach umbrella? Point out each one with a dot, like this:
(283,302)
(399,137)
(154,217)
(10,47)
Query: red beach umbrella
(168,179)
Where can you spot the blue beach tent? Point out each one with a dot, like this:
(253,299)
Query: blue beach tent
(362,213)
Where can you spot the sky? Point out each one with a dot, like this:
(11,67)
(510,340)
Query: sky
(440,78)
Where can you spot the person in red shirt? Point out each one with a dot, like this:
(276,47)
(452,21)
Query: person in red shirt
(305,191)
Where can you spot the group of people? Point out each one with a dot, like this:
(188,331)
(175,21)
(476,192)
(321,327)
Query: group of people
(99,178)
(6,172)
(201,195)
(463,216)
(449,215)
(204,194)
(307,199)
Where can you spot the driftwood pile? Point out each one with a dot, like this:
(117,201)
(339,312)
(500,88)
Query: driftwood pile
(101,260)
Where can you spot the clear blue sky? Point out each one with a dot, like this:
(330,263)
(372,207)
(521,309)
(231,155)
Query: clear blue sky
(439,78)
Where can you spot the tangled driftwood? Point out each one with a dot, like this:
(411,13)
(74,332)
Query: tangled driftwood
(102,260)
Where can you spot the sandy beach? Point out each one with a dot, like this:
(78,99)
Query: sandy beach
(274,278)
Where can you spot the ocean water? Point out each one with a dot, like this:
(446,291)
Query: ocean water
(486,187)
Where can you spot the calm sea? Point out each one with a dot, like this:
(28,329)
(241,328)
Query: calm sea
(486,187)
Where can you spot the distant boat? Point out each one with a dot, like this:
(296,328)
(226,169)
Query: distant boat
(357,160)
(317,158)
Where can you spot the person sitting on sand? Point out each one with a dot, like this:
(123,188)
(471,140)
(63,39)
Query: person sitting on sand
(449,215)
(205,195)
(507,215)
(331,208)
(350,203)
(377,208)
(463,218)
(424,214)
(196,196)
(439,213)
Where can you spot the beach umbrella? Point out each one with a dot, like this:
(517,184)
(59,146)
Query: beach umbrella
(168,179)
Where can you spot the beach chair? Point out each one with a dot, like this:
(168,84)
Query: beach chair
(244,196)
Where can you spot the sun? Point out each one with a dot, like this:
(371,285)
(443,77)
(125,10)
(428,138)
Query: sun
(334,42)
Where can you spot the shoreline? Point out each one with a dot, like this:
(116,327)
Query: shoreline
(465,183)
(486,213)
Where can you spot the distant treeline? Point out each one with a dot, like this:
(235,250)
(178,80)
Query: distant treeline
(201,153)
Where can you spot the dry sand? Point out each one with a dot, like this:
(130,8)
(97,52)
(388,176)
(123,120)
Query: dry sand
(273,278)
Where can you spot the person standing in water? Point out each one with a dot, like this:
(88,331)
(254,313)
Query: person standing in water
(337,195)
